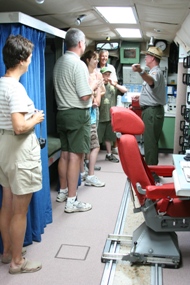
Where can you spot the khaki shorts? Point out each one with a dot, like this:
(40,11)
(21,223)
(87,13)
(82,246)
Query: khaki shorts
(73,127)
(94,142)
(20,162)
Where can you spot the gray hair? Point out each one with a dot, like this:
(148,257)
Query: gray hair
(103,51)
(73,37)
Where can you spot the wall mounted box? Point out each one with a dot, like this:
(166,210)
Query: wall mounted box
(166,141)
(129,53)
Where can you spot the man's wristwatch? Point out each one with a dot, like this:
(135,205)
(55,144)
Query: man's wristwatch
(142,72)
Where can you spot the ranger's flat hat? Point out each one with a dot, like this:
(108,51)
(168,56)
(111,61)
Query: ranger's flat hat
(154,51)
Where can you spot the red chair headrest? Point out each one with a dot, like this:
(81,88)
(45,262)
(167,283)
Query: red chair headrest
(125,121)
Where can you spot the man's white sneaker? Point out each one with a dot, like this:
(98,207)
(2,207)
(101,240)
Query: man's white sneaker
(83,175)
(94,181)
(61,197)
(77,207)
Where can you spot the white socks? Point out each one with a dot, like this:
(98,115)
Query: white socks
(90,176)
(71,199)
(65,191)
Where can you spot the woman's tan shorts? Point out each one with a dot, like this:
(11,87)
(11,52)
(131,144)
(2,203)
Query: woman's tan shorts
(20,162)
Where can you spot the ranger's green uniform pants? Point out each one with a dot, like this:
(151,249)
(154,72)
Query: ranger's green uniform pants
(153,118)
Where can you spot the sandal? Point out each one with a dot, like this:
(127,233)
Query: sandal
(7,259)
(26,267)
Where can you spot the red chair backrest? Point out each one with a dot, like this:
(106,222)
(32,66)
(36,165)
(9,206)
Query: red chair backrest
(126,121)
(129,124)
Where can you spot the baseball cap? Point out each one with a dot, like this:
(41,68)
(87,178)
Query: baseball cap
(105,69)
(154,51)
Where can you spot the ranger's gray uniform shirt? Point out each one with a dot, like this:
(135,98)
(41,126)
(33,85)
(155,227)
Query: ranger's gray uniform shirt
(157,94)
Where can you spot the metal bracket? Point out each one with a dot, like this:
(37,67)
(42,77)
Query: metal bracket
(137,258)
(145,248)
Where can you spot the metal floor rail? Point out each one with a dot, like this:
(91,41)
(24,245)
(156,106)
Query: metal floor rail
(110,266)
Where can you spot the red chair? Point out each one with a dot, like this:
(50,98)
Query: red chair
(135,106)
(155,241)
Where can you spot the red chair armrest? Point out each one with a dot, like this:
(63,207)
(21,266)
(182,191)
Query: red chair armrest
(159,192)
(162,170)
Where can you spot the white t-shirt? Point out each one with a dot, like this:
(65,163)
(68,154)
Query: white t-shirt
(13,99)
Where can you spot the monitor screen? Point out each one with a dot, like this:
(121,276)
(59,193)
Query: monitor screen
(130,53)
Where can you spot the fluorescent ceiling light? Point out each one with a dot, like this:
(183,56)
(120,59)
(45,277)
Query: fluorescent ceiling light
(129,33)
(118,15)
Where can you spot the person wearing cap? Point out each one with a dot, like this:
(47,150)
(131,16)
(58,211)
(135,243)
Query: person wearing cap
(105,132)
(103,62)
(152,100)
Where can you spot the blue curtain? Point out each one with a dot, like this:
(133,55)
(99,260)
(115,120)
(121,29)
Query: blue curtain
(40,209)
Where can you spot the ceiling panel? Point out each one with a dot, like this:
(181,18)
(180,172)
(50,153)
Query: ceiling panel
(164,15)
(160,15)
